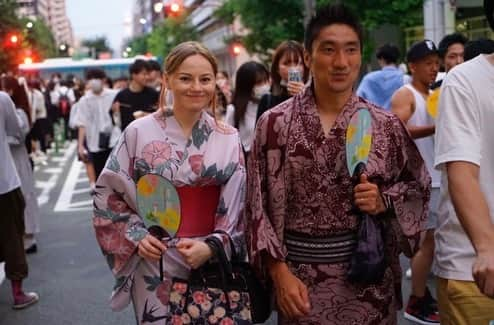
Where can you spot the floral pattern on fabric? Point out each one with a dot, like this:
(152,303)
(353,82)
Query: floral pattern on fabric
(156,144)
(201,306)
(298,180)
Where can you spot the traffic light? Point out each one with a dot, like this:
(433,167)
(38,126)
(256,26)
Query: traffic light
(173,8)
(13,40)
(235,49)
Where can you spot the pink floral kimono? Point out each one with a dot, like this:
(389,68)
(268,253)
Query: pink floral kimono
(298,182)
(156,144)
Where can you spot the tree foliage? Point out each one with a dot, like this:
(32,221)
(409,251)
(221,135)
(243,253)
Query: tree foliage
(37,42)
(164,37)
(98,44)
(272,22)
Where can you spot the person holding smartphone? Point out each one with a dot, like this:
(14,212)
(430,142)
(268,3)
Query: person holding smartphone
(289,75)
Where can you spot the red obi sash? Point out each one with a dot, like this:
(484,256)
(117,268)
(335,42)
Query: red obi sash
(198,206)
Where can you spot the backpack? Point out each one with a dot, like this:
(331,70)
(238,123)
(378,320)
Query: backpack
(64,104)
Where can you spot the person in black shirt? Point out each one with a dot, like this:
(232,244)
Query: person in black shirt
(288,55)
(137,100)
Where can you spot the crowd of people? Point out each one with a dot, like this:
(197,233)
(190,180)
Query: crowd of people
(268,153)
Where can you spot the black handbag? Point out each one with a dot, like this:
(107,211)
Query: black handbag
(220,290)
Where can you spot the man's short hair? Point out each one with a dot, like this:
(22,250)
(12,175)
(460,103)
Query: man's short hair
(329,15)
(389,53)
(154,65)
(477,47)
(448,40)
(95,74)
(138,66)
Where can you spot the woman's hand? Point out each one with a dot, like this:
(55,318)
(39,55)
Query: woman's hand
(151,248)
(294,87)
(194,252)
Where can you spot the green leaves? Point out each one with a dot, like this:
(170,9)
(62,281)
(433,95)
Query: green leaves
(278,20)
(152,281)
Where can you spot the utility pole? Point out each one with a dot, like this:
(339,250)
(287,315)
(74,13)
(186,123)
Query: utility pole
(309,10)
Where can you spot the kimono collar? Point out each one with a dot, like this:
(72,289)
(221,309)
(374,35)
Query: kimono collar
(164,116)
(305,105)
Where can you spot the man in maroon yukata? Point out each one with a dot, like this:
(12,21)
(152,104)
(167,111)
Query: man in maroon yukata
(300,193)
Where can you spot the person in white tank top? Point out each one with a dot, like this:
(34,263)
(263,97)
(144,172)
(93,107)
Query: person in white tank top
(409,104)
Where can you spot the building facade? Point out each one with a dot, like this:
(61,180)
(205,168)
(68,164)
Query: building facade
(53,13)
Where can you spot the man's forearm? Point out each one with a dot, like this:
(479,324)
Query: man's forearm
(470,204)
(418,132)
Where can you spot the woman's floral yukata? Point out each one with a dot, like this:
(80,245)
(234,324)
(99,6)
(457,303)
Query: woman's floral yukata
(298,181)
(156,144)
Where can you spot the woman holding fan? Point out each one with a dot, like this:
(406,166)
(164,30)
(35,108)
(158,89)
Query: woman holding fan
(203,160)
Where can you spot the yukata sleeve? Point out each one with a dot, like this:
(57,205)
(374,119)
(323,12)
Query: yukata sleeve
(266,192)
(410,192)
(230,212)
(117,226)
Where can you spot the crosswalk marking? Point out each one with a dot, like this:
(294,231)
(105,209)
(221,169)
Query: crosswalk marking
(2,273)
(47,186)
(75,176)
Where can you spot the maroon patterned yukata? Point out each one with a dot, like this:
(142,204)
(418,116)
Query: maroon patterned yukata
(298,181)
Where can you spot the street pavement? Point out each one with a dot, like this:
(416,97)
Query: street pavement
(68,271)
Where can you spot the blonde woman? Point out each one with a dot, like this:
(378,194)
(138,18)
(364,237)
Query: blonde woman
(184,144)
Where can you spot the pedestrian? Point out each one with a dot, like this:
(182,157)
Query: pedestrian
(154,80)
(39,118)
(464,259)
(289,55)
(12,206)
(379,86)
(223,82)
(451,51)
(137,99)
(251,83)
(94,121)
(409,103)
(23,163)
(199,156)
(299,186)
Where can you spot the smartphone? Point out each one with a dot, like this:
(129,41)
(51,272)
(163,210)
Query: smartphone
(294,74)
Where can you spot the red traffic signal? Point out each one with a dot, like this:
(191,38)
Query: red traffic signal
(236,49)
(13,40)
(173,9)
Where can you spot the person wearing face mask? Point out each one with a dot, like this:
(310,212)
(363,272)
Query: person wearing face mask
(288,56)
(251,83)
(95,122)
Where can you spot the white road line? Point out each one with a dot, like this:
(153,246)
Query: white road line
(2,273)
(82,190)
(74,177)
(44,196)
(88,203)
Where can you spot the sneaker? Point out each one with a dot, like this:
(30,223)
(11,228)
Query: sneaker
(422,310)
(25,300)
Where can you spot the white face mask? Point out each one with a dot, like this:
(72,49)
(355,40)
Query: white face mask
(96,85)
(260,91)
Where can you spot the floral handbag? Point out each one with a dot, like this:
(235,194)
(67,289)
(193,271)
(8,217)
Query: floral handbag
(213,294)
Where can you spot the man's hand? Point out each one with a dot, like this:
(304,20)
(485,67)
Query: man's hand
(194,252)
(483,272)
(368,198)
(292,295)
(151,248)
